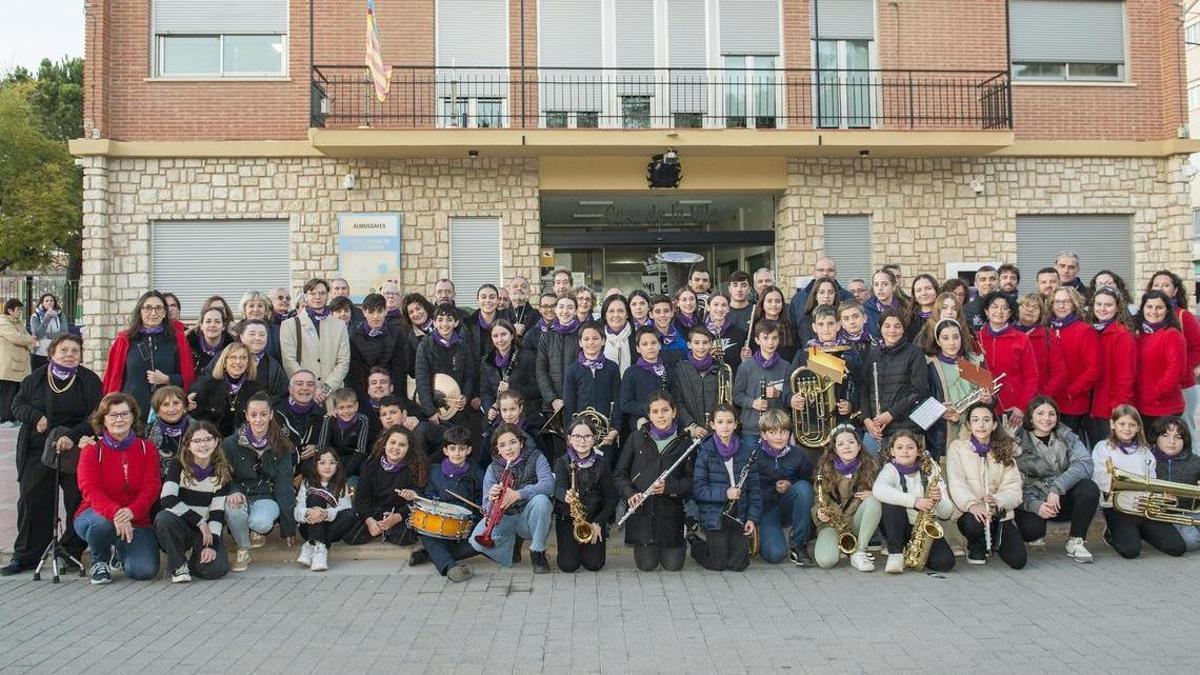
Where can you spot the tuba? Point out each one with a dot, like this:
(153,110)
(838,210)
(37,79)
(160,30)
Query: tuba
(847,542)
(1152,498)
(926,529)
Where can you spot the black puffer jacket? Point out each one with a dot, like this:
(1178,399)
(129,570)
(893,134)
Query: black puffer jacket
(457,362)
(555,352)
(520,378)
(659,520)
(695,392)
(389,351)
(903,383)
(595,486)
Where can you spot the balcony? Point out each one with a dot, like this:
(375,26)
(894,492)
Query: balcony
(431,97)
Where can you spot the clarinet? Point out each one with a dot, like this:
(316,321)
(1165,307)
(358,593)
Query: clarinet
(732,505)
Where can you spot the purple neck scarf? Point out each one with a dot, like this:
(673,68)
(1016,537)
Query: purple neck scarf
(280,317)
(591,364)
(907,470)
(454,471)
(701,365)
(685,320)
(880,307)
(1164,457)
(502,360)
(316,316)
(1022,327)
(948,360)
(817,342)
(393,314)
(172,430)
(662,434)
(200,474)
(846,469)
(726,451)
(449,342)
(122,444)
(1102,326)
(997,333)
(300,408)
(656,367)
(484,323)
(235,385)
(608,329)
(565,328)
(718,329)
(542,325)
(669,336)
(157,330)
(863,338)
(643,323)
(345,425)
(1148,327)
(209,350)
(772,452)
(980,447)
(1064,322)
(254,441)
(373,332)
(392,468)
(923,315)
(767,363)
(581,462)
(1128,448)
(62,372)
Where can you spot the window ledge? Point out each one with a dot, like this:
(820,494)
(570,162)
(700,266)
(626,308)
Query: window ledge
(1072,83)
(265,78)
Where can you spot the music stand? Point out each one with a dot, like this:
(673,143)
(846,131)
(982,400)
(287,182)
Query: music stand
(55,548)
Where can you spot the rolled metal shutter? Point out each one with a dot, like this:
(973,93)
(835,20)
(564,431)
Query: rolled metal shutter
(472,33)
(635,47)
(1062,31)
(750,27)
(569,37)
(687,47)
(474,255)
(848,243)
(197,258)
(843,19)
(220,17)
(1102,242)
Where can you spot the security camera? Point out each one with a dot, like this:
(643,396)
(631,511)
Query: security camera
(348,181)
(472,154)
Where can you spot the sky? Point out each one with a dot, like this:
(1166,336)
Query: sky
(31,30)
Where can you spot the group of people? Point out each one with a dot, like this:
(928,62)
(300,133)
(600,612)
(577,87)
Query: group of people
(679,417)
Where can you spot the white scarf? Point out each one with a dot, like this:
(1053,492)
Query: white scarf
(616,347)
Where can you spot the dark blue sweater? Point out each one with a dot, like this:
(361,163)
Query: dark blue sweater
(600,390)
(636,387)
(791,466)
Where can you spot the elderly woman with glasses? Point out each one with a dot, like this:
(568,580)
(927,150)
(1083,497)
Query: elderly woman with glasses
(151,352)
(118,477)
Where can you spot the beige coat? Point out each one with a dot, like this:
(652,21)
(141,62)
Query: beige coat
(969,477)
(14,348)
(327,356)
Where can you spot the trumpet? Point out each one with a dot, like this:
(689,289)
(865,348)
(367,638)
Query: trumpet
(847,542)
(581,529)
(662,477)
(978,394)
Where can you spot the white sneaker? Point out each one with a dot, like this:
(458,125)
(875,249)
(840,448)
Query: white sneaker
(1077,551)
(862,561)
(306,554)
(1040,541)
(320,558)
(257,540)
(181,575)
(895,563)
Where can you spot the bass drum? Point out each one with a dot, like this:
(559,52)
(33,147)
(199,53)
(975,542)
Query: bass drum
(441,520)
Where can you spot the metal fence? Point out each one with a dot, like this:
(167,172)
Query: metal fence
(28,289)
(425,97)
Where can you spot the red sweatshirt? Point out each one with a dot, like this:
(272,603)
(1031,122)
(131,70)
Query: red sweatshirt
(1080,350)
(1052,367)
(111,480)
(1118,368)
(1162,360)
(1011,352)
(1191,336)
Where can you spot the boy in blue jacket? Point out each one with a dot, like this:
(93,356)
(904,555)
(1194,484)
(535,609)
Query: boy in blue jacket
(785,479)
(717,482)
(454,474)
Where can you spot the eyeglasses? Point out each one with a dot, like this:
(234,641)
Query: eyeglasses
(114,417)
(283,297)
(582,437)
(153,309)
(203,440)
(391,294)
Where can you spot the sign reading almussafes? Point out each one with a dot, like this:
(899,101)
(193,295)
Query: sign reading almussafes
(368,251)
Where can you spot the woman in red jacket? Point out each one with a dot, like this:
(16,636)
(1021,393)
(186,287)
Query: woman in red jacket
(1007,350)
(1162,359)
(1172,286)
(1080,346)
(151,352)
(1031,320)
(1117,360)
(118,477)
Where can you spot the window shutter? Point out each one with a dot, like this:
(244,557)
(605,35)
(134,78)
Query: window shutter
(474,254)
(570,37)
(220,17)
(843,19)
(472,33)
(750,27)
(259,259)
(1062,31)
(635,47)
(848,244)
(1101,242)
(687,47)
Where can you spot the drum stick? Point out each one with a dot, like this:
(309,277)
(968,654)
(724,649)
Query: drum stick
(467,501)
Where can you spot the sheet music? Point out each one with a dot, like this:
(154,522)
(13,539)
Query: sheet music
(930,411)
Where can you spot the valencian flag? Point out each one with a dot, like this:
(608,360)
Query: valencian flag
(381,75)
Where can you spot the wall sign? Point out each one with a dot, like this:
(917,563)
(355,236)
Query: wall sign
(368,251)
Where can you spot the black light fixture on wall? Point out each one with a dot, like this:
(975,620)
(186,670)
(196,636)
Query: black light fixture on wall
(664,171)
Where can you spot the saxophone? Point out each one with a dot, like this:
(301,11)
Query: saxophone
(581,528)
(847,542)
(926,529)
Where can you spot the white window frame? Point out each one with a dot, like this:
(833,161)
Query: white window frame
(1067,77)
(160,57)
(1191,34)
(875,111)
(751,89)
(448,116)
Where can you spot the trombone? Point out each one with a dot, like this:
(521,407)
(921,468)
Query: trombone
(977,395)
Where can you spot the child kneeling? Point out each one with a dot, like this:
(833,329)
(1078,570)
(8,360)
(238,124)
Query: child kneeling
(323,510)
(725,485)
(845,475)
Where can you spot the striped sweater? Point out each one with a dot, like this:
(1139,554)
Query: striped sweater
(194,501)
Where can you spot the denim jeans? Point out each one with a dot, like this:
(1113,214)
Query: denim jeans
(533,524)
(792,509)
(259,514)
(1191,536)
(139,557)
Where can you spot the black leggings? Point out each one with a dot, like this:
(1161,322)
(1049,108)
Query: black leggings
(1126,532)
(572,555)
(1077,506)
(1078,424)
(1006,539)
(897,531)
(648,557)
(328,532)
(725,549)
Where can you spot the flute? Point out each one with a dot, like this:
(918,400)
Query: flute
(875,378)
(662,477)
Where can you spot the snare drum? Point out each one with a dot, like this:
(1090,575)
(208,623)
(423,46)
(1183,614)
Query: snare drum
(441,520)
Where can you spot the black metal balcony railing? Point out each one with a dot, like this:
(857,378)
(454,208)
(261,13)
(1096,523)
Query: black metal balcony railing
(425,97)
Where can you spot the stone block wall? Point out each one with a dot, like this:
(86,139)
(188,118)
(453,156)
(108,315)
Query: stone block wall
(123,196)
(925,214)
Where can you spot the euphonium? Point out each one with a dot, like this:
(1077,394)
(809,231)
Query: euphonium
(847,542)
(813,424)
(597,421)
(581,529)
(926,529)
(1152,498)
